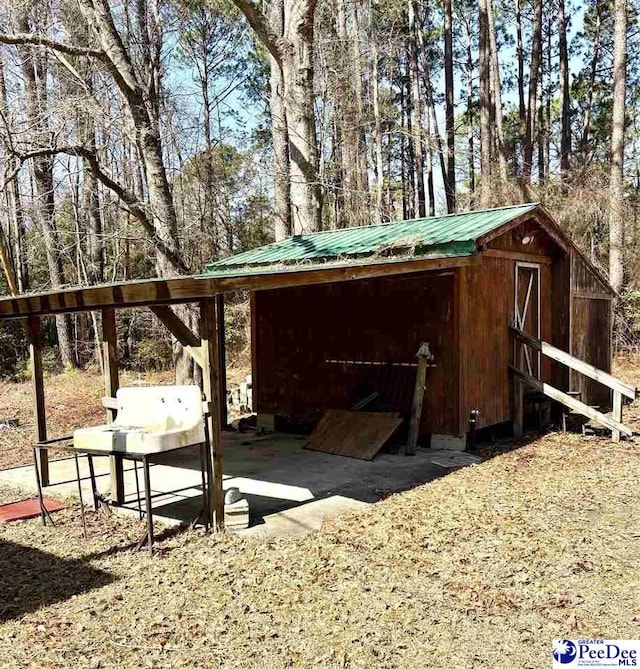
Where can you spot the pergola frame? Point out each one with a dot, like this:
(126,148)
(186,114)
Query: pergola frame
(207,349)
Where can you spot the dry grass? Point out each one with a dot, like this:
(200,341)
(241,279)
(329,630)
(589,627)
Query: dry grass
(482,568)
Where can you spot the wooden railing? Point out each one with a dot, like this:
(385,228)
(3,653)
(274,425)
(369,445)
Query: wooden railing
(520,377)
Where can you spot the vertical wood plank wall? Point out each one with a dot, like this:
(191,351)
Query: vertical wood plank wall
(487,304)
(488,296)
(298,330)
(591,318)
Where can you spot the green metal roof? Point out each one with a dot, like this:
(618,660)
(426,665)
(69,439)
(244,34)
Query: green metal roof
(435,237)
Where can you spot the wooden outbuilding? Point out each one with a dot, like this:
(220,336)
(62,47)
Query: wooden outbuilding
(339,315)
(455,282)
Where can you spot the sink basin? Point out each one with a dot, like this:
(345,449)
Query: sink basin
(149,420)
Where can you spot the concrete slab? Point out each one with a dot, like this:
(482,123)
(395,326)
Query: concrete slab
(290,489)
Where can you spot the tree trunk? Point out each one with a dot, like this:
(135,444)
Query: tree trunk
(485,107)
(450,177)
(348,112)
(34,71)
(595,60)
(279,132)
(14,201)
(470,125)
(416,113)
(377,129)
(616,195)
(496,90)
(142,103)
(297,68)
(565,128)
(534,71)
(280,140)
(522,112)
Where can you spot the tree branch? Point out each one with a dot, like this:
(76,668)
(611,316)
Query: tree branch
(133,204)
(258,21)
(41,40)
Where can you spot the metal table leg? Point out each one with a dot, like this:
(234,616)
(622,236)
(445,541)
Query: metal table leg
(135,468)
(84,520)
(39,484)
(147,494)
(44,512)
(94,487)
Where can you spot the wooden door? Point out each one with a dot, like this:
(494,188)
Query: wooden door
(527,312)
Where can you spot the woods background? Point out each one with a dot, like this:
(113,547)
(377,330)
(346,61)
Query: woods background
(150,136)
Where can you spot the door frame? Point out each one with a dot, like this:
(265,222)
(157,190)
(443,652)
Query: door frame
(519,319)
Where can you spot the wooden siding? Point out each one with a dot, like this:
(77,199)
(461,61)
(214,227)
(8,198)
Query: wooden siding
(298,331)
(487,299)
(540,244)
(591,322)
(560,318)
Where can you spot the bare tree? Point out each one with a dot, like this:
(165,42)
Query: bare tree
(616,199)
(486,135)
(496,92)
(416,112)
(293,51)
(565,125)
(534,72)
(450,176)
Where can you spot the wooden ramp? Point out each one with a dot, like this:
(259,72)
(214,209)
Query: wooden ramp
(353,434)
(620,388)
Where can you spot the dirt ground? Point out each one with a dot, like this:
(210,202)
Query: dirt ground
(481,568)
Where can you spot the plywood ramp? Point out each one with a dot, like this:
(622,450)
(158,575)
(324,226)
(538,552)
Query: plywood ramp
(355,435)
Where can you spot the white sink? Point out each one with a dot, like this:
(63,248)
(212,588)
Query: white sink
(150,420)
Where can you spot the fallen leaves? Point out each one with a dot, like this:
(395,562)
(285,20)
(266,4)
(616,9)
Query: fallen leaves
(481,568)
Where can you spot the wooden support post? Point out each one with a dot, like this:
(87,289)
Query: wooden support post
(211,388)
(222,360)
(111,384)
(518,406)
(37,384)
(424,358)
(617,414)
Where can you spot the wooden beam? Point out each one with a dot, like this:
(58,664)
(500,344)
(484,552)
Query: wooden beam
(37,386)
(518,407)
(575,363)
(424,359)
(586,295)
(514,255)
(180,290)
(222,360)
(253,314)
(109,402)
(211,388)
(571,402)
(176,327)
(111,385)
(173,323)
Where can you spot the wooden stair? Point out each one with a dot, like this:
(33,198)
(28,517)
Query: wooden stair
(520,378)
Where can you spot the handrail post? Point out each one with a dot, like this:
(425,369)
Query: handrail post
(617,414)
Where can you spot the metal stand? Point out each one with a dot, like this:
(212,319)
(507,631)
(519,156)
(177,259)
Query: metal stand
(146,460)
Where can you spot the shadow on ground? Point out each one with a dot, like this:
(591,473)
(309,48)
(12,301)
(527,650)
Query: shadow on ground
(31,578)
